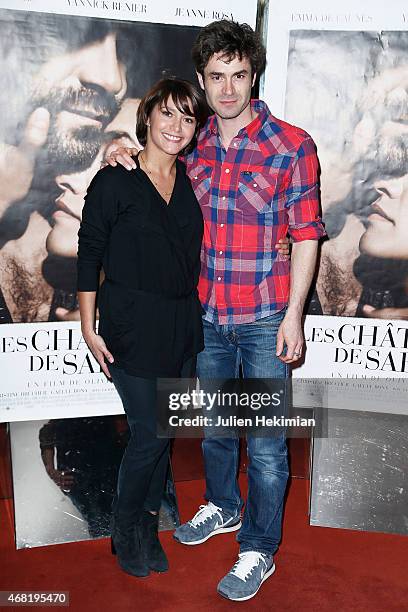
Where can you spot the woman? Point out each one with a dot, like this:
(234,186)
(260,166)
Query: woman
(144,228)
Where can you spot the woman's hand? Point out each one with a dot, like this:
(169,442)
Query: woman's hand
(97,346)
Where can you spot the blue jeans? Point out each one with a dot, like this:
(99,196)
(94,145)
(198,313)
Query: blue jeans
(253,345)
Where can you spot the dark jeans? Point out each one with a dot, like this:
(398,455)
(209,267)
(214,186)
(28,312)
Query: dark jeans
(252,345)
(143,470)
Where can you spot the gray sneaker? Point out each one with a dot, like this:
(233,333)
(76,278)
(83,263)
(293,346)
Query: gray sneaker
(210,520)
(247,575)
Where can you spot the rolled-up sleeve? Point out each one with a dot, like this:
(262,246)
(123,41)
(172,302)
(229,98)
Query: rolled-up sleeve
(302,204)
(98,217)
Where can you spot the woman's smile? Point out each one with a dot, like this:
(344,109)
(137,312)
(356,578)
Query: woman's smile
(171,137)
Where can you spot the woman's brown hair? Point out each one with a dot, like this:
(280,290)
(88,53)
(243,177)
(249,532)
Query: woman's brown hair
(186,97)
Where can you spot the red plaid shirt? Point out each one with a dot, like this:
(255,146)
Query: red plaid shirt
(251,195)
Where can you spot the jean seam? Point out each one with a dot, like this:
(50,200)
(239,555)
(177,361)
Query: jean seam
(257,549)
(236,458)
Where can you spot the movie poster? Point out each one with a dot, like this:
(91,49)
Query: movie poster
(340,74)
(72,75)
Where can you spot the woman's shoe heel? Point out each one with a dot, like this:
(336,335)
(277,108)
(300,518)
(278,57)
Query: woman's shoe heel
(154,554)
(128,552)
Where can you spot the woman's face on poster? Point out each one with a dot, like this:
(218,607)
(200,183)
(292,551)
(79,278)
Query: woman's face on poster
(62,240)
(387,222)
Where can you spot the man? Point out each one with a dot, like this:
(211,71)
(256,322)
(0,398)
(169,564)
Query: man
(74,95)
(254,176)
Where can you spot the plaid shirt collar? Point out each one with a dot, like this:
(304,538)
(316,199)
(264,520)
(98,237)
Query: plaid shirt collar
(251,130)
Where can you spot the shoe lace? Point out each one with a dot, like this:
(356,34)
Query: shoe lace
(247,562)
(205,512)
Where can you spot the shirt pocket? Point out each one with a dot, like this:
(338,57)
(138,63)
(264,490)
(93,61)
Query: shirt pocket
(259,193)
(200,177)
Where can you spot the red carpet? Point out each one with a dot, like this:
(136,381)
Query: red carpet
(318,569)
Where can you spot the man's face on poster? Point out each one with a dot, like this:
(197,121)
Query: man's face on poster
(382,133)
(82,90)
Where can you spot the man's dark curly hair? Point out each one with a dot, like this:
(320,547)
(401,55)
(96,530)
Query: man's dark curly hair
(230,39)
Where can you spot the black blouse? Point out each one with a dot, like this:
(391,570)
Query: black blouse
(150,315)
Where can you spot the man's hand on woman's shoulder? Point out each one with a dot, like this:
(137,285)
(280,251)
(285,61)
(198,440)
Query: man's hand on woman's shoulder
(120,155)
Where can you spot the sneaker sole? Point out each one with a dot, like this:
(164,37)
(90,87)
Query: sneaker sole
(213,533)
(267,575)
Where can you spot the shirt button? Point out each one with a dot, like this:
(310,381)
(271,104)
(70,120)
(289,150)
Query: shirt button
(235,144)
(196,177)
(227,170)
(221,225)
(255,185)
(219,278)
(223,197)
(220,252)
